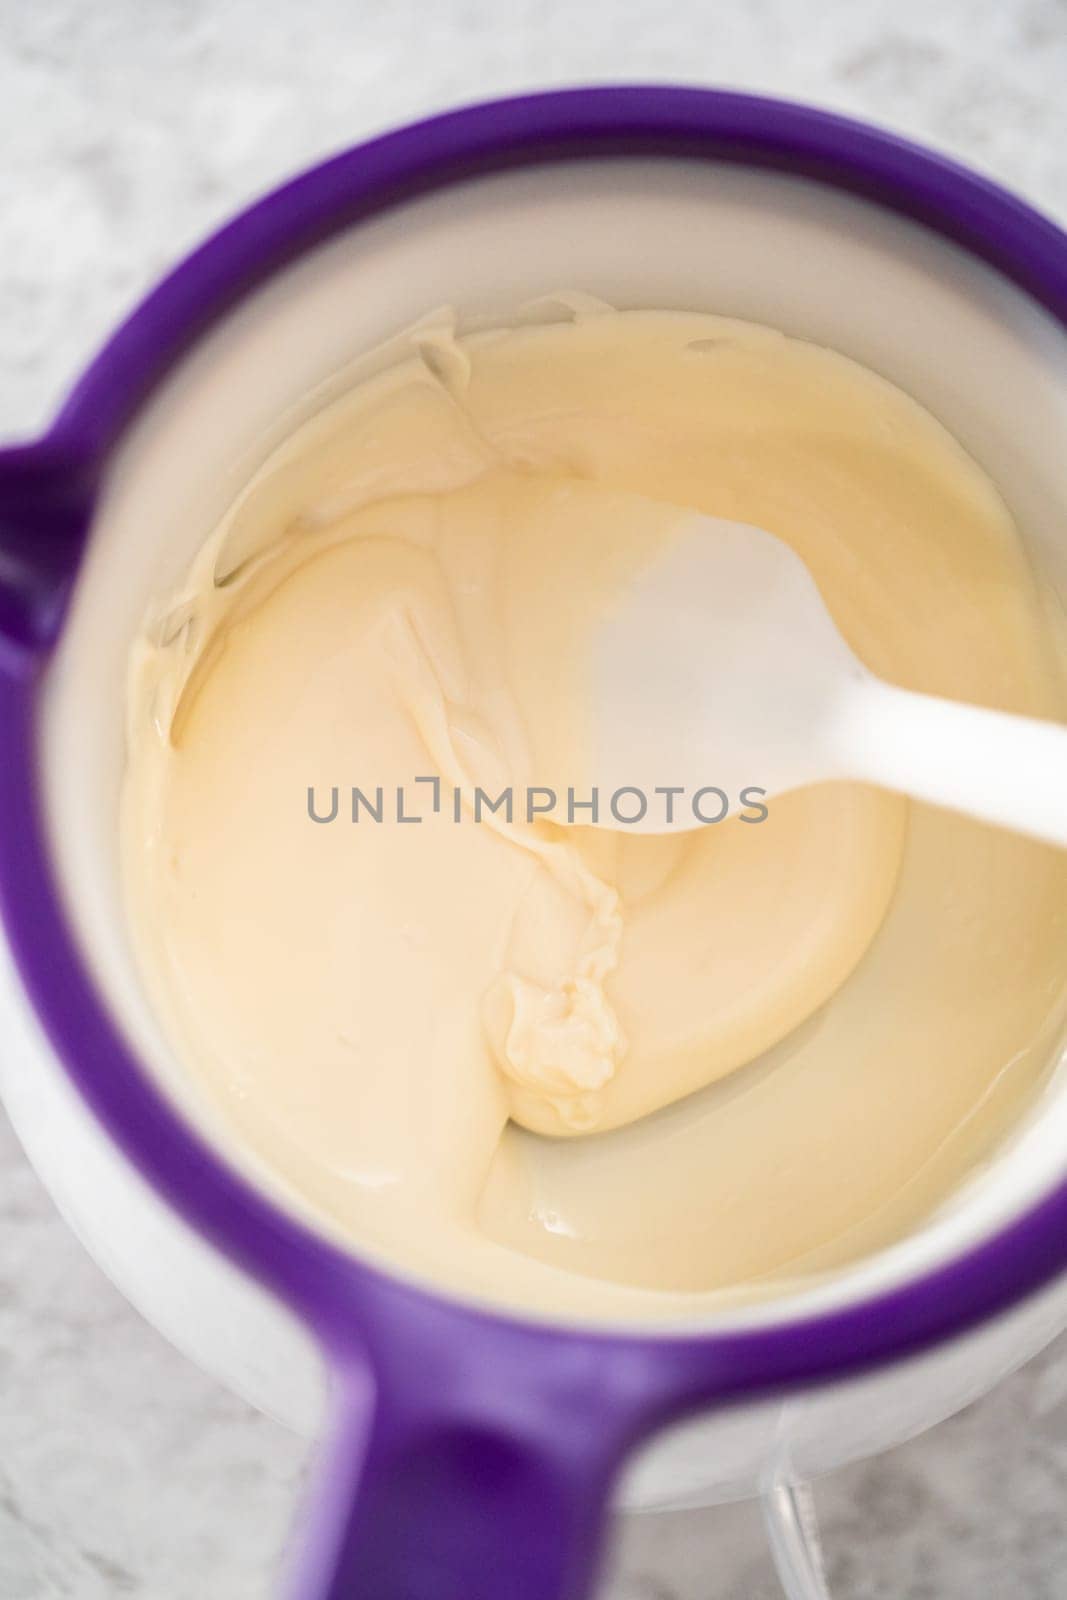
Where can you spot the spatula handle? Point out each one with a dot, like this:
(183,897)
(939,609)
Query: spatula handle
(999,768)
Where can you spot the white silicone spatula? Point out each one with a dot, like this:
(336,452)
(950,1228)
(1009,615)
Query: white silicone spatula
(723,667)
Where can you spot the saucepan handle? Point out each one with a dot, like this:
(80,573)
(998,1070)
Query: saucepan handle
(46,502)
(417,1503)
(464,1484)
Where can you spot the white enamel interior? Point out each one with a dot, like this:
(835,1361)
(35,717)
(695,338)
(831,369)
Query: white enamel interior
(680,234)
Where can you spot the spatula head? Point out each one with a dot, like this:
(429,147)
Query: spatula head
(718,667)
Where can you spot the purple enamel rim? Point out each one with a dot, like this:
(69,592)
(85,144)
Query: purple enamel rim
(354,1307)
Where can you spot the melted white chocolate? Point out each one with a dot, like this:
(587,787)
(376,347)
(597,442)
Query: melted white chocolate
(842,1007)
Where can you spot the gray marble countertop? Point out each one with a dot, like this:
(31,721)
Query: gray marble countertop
(128,128)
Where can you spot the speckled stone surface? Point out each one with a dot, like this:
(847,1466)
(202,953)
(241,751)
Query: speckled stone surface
(128,128)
